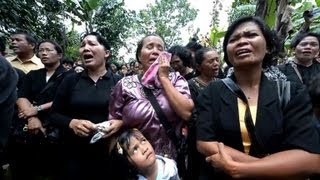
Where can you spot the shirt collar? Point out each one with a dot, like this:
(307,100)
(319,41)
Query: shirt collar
(34,59)
(106,75)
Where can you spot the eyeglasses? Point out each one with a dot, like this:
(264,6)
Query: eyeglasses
(45,50)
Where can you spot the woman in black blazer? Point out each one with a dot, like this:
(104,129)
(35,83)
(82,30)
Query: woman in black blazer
(250,134)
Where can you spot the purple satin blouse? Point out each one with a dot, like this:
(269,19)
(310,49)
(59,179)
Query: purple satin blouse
(129,103)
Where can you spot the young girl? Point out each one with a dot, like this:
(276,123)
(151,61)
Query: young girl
(143,162)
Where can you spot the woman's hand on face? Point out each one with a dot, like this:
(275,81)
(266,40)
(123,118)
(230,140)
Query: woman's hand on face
(115,125)
(35,126)
(223,161)
(82,127)
(164,66)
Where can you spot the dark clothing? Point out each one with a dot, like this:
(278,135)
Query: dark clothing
(36,153)
(291,128)
(195,159)
(21,75)
(8,83)
(190,75)
(306,72)
(8,95)
(79,97)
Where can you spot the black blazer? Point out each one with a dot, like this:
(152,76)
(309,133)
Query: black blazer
(278,129)
(290,128)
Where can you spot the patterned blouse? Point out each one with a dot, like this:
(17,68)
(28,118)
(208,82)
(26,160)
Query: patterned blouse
(129,103)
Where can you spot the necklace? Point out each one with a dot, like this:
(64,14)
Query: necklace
(202,82)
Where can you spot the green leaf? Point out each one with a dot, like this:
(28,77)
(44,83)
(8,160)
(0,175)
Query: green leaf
(318,3)
(271,14)
(93,4)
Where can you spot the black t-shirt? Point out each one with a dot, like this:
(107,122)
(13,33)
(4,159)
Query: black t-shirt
(79,97)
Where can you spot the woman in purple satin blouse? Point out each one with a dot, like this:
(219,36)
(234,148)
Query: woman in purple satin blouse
(129,103)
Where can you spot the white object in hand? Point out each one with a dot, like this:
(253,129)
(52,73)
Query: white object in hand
(101,128)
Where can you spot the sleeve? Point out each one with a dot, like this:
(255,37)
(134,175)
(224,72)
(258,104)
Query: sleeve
(206,124)
(25,89)
(116,102)
(181,84)
(60,106)
(299,128)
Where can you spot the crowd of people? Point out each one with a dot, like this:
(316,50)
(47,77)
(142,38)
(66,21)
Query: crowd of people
(173,113)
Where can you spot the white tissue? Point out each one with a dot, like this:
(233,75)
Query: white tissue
(101,128)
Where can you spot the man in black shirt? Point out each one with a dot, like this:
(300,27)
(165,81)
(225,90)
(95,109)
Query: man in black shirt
(304,65)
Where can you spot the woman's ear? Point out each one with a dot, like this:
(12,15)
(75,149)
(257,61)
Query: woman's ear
(107,53)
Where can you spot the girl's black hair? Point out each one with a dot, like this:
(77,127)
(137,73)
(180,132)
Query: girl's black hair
(120,155)
(270,37)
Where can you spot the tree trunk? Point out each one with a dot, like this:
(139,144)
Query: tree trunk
(261,8)
(283,23)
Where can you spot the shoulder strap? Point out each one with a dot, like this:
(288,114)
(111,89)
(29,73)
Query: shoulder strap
(283,92)
(255,139)
(294,66)
(163,119)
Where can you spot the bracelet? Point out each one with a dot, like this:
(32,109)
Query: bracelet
(39,108)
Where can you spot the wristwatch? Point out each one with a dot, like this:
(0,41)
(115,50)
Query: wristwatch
(39,108)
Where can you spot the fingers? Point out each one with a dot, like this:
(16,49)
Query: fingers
(82,128)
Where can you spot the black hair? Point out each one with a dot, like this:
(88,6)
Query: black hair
(300,36)
(103,41)
(199,56)
(270,37)
(182,53)
(193,46)
(120,155)
(2,46)
(57,47)
(29,37)
(140,44)
(66,60)
(314,90)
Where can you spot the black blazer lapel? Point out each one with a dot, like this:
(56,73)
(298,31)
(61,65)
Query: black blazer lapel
(268,112)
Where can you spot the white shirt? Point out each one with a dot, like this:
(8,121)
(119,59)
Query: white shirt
(167,169)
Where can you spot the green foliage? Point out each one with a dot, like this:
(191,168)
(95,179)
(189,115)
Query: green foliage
(47,20)
(73,43)
(271,13)
(113,21)
(166,18)
(240,11)
(237,3)
(298,20)
(215,36)
(36,16)
(108,17)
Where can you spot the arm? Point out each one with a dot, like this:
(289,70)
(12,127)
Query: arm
(181,104)
(26,109)
(290,163)
(60,105)
(211,148)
